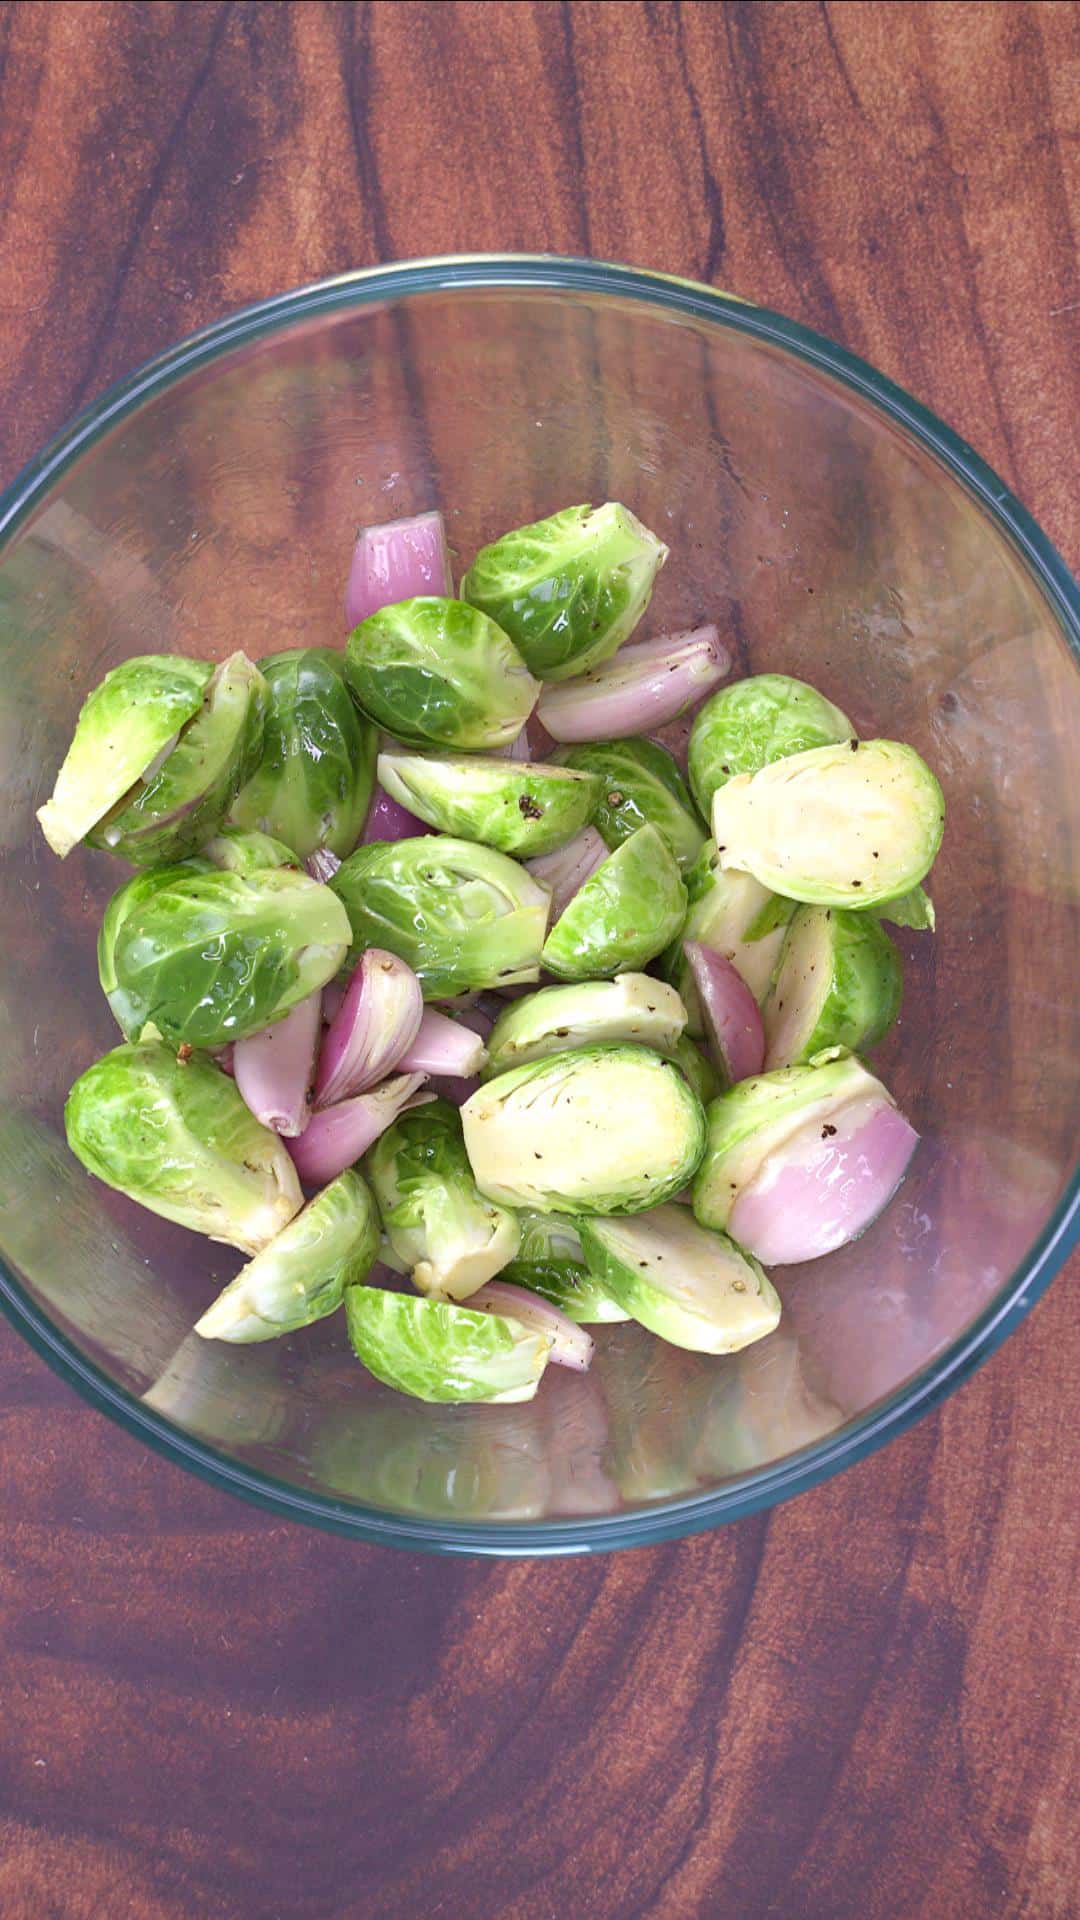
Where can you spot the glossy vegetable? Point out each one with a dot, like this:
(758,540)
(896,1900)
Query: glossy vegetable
(631,1007)
(435,1351)
(694,1288)
(914,909)
(274,1069)
(397,561)
(733,1025)
(436,673)
(302,1275)
(754,722)
(130,1014)
(568,590)
(826,1183)
(125,724)
(176,1136)
(853,825)
(734,914)
(570,1347)
(246,850)
(451,1237)
(641,786)
(463,916)
(550,1262)
(336,1137)
(518,806)
(838,985)
(376,1024)
(644,688)
(446,1047)
(599,1130)
(314,781)
(173,813)
(564,871)
(626,912)
(210,957)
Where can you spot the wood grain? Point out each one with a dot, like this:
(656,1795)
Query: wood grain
(857,1705)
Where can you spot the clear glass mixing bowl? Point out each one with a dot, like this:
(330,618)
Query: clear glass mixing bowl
(836,531)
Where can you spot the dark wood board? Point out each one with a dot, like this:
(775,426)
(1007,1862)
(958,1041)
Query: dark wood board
(858,1705)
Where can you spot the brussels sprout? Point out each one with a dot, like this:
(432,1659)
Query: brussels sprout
(313,784)
(433,1216)
(568,590)
(436,673)
(914,909)
(210,957)
(173,812)
(302,1275)
(238,850)
(641,786)
(694,1288)
(592,1013)
(838,985)
(462,915)
(624,914)
(550,1262)
(435,1351)
(848,826)
(176,1136)
(125,724)
(130,1015)
(754,722)
(600,1130)
(514,805)
(736,916)
(698,1069)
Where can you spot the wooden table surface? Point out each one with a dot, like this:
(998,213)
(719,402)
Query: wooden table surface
(858,1704)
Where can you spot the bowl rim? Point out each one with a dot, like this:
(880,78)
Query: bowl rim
(806,1466)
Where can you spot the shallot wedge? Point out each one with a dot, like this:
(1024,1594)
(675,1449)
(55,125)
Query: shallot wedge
(445,1047)
(273,1070)
(568,868)
(398,561)
(733,1023)
(826,1183)
(389,820)
(572,1346)
(643,687)
(337,1137)
(374,1027)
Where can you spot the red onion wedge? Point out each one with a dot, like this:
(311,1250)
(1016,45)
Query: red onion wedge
(571,1346)
(273,1069)
(389,820)
(446,1047)
(568,868)
(376,1024)
(826,1183)
(322,864)
(338,1136)
(398,561)
(223,1056)
(733,1022)
(643,687)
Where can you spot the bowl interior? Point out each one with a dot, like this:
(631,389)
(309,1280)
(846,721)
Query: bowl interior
(828,542)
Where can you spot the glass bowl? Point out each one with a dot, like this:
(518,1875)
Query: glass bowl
(836,531)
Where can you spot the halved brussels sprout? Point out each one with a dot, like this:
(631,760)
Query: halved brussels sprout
(838,985)
(699,1070)
(130,1014)
(753,722)
(244,850)
(694,1288)
(515,805)
(172,813)
(736,916)
(129,720)
(914,909)
(436,1351)
(550,1262)
(211,957)
(568,590)
(848,826)
(436,673)
(642,786)
(313,784)
(623,916)
(462,915)
(631,1007)
(302,1275)
(176,1136)
(600,1130)
(451,1237)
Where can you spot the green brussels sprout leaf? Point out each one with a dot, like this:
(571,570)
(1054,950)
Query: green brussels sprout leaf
(517,806)
(436,673)
(440,1352)
(692,1287)
(625,914)
(753,722)
(451,1238)
(313,784)
(642,786)
(632,1007)
(838,985)
(302,1275)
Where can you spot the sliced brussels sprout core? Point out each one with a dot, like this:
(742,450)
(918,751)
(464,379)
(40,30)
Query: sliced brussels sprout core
(600,1130)
(694,1288)
(698,1069)
(632,1007)
(211,957)
(568,590)
(550,1262)
(449,1235)
(754,722)
(125,724)
(838,985)
(170,814)
(437,673)
(847,826)
(463,916)
(246,850)
(302,1275)
(130,1014)
(624,914)
(176,1136)
(731,913)
(436,1351)
(517,806)
(313,784)
(642,786)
